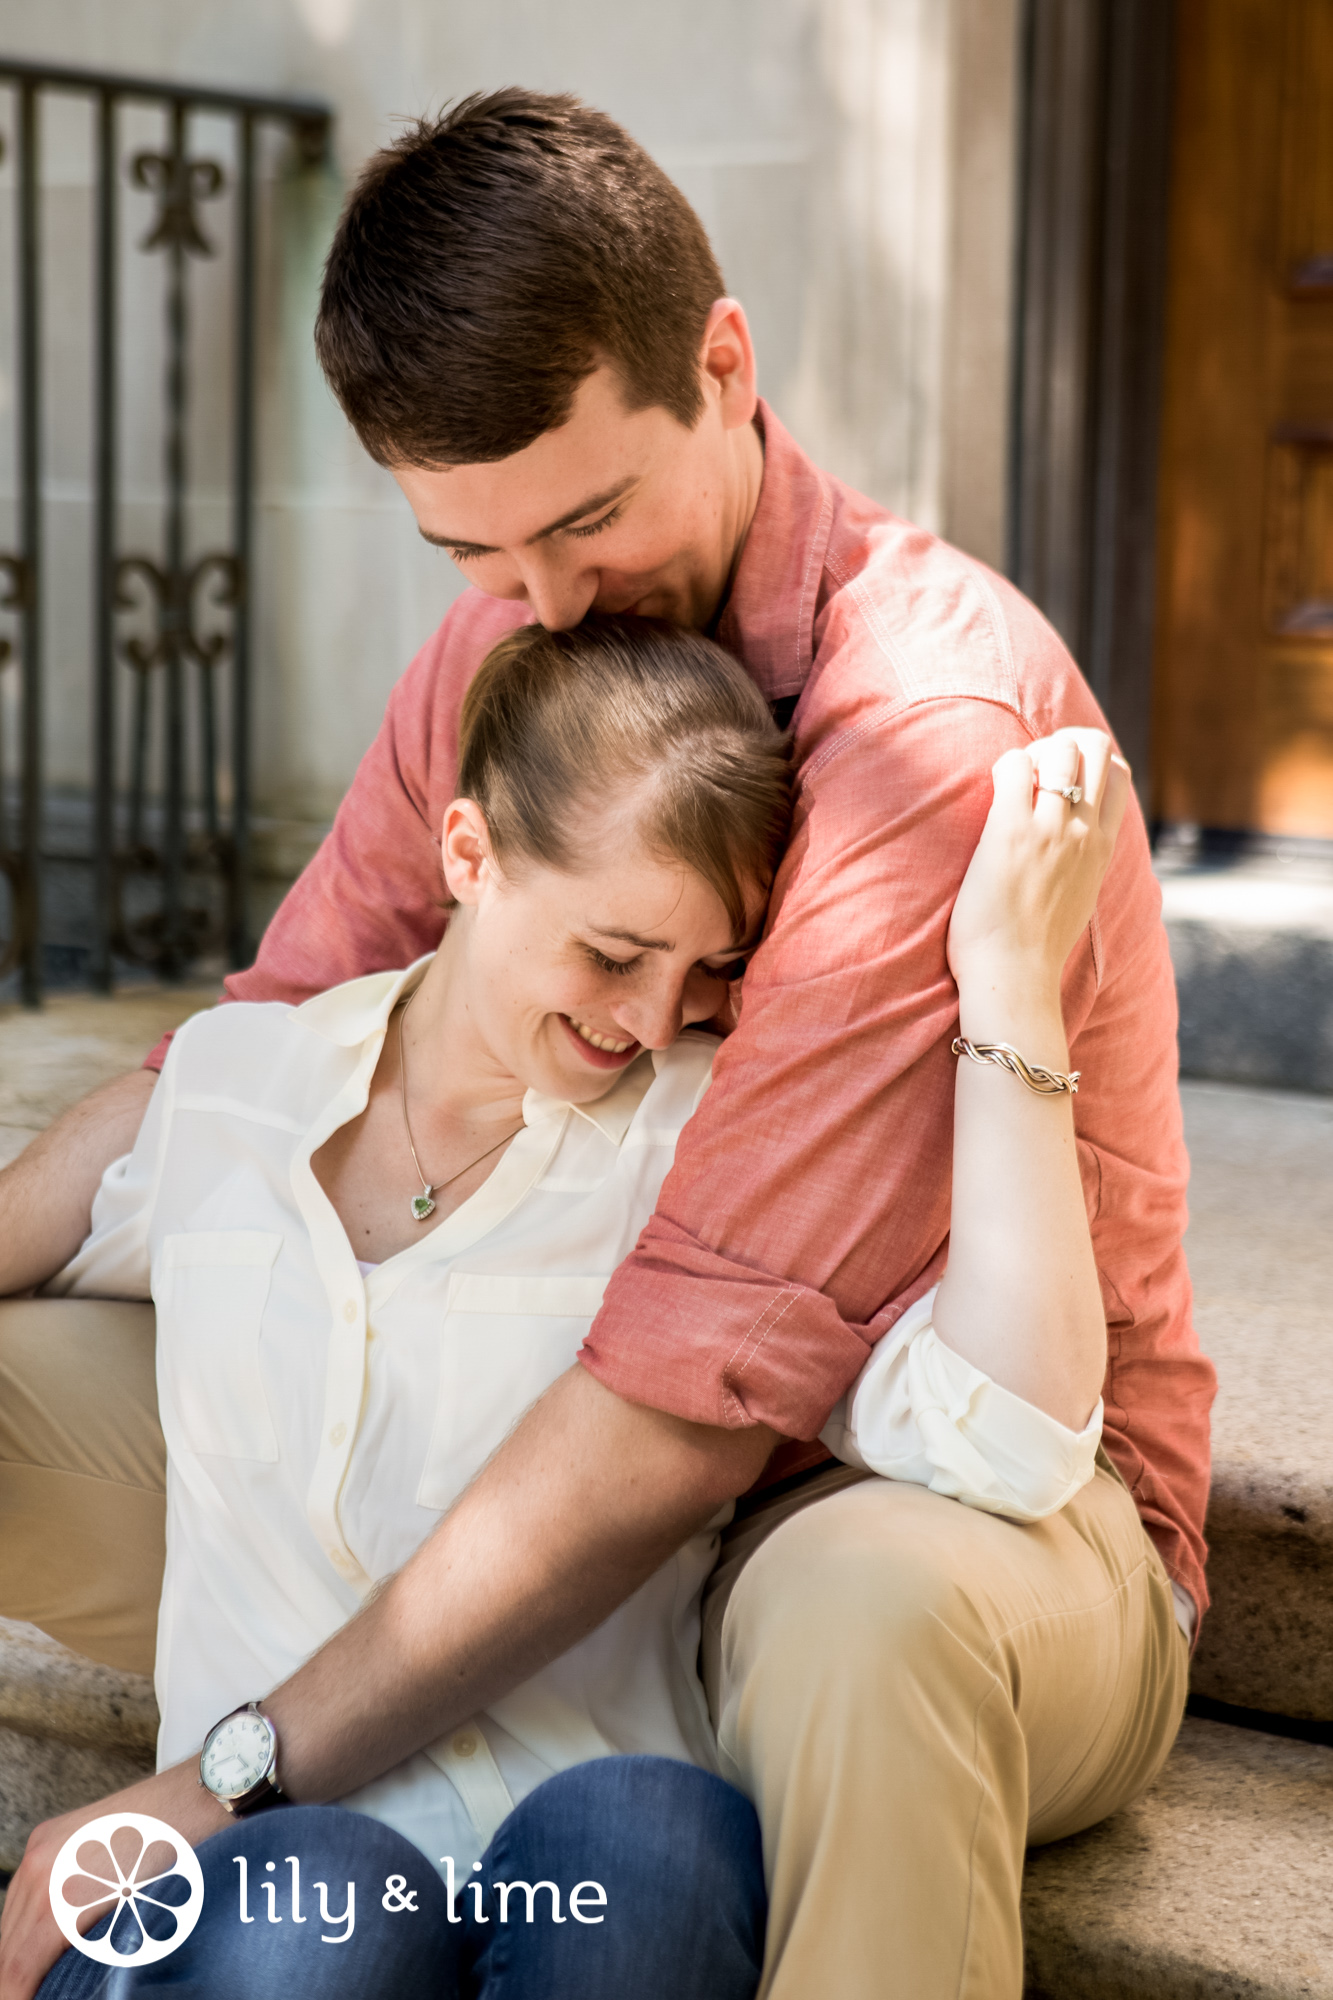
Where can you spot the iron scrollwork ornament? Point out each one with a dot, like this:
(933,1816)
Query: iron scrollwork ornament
(176,607)
(178,184)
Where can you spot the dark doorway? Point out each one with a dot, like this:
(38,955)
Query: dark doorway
(1088,354)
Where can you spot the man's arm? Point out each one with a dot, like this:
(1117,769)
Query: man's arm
(46,1194)
(585,1499)
(577,1508)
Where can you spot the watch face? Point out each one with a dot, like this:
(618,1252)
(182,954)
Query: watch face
(237,1754)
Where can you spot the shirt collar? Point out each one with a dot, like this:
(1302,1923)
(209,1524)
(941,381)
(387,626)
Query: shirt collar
(769,618)
(612,1114)
(352,1013)
(360,1008)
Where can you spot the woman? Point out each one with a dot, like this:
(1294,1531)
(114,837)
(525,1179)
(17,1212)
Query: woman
(377,1226)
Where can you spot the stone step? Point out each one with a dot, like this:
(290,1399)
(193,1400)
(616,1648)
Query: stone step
(1252,946)
(1261,1254)
(71,1731)
(1215,1885)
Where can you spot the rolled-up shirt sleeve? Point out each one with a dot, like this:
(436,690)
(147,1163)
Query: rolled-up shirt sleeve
(921,1413)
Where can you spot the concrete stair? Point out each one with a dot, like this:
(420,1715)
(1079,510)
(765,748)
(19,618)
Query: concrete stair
(1218,1883)
(71,1730)
(1252,945)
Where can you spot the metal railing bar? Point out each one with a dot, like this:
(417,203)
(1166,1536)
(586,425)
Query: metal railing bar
(239,942)
(175,608)
(28,901)
(300,110)
(104,777)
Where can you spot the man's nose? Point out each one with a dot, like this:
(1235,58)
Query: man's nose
(559,598)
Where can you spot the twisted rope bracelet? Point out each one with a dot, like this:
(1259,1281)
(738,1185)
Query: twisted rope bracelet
(1046,1082)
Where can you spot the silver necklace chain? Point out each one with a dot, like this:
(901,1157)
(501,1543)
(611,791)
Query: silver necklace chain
(422,1204)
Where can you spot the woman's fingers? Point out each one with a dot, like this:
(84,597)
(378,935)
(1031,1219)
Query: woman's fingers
(1082,757)
(1012,776)
(1115,798)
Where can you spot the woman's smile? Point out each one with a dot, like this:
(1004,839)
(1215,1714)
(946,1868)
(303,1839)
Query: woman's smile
(602,1051)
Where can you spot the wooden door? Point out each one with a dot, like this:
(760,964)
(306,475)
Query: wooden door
(1244,665)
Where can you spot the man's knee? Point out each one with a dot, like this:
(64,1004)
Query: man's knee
(865,1582)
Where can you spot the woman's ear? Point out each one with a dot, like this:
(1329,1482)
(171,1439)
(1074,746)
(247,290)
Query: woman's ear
(465,846)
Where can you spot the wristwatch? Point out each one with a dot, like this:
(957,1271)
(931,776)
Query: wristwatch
(239,1761)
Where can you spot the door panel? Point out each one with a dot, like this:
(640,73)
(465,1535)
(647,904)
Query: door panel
(1244,718)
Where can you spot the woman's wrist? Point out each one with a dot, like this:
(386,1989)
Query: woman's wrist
(1018,1004)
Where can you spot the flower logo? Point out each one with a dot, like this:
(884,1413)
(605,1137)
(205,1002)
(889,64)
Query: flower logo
(138,1879)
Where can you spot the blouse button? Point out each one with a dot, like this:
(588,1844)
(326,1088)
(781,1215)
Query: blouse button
(337,1434)
(464,1744)
(349,1311)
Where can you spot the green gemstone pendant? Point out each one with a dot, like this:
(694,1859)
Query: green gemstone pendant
(422,1206)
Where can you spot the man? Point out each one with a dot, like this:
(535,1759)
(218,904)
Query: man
(523,320)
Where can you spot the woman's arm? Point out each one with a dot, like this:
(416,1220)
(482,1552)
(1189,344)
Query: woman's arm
(1021,1298)
(46,1194)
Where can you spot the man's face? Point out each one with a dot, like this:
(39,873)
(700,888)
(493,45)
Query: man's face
(617,510)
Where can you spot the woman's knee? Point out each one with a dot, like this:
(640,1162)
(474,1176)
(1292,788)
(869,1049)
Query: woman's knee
(661,1872)
(304,1901)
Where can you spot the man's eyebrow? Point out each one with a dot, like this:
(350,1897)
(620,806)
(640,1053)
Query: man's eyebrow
(553,528)
(632,937)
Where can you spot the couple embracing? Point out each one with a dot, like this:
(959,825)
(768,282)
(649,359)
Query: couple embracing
(673,1342)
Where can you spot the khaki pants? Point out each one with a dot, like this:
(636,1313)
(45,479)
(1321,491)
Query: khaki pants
(82,1476)
(909,1690)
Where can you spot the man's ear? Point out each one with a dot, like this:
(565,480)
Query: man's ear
(465,846)
(727,363)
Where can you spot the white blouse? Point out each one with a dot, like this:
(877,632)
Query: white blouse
(319,1421)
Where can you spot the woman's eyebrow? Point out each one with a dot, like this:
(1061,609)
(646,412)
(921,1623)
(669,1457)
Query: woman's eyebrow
(632,937)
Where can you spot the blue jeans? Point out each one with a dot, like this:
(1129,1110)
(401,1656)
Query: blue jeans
(675,1851)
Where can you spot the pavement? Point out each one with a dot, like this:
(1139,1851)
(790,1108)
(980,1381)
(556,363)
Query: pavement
(53,1055)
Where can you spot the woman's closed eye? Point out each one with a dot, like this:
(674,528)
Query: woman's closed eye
(612,965)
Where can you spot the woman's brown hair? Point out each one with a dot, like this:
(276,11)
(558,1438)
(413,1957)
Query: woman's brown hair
(556,720)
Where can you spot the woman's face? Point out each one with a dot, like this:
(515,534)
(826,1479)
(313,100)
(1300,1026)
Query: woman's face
(568,976)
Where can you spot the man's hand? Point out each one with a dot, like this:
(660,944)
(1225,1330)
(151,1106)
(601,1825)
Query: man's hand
(46,1194)
(30,1939)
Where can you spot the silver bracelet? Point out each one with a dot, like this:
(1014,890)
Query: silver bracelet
(1046,1082)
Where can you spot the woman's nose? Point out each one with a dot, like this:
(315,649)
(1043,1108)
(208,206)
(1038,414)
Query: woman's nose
(655,1019)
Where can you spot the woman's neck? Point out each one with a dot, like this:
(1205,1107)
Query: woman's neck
(452,1074)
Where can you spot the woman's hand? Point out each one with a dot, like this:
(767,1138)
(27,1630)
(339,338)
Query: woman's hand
(1032,885)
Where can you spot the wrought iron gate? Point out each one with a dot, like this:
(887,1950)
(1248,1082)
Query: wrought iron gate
(168,680)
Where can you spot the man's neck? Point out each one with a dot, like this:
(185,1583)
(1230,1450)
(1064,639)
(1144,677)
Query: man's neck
(748,457)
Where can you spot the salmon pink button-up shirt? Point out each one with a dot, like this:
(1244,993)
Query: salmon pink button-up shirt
(809,1202)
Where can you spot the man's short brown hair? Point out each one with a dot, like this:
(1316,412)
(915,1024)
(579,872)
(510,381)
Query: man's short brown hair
(491,259)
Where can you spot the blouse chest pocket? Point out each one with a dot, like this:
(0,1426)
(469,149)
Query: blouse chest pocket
(505,1340)
(211,1287)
